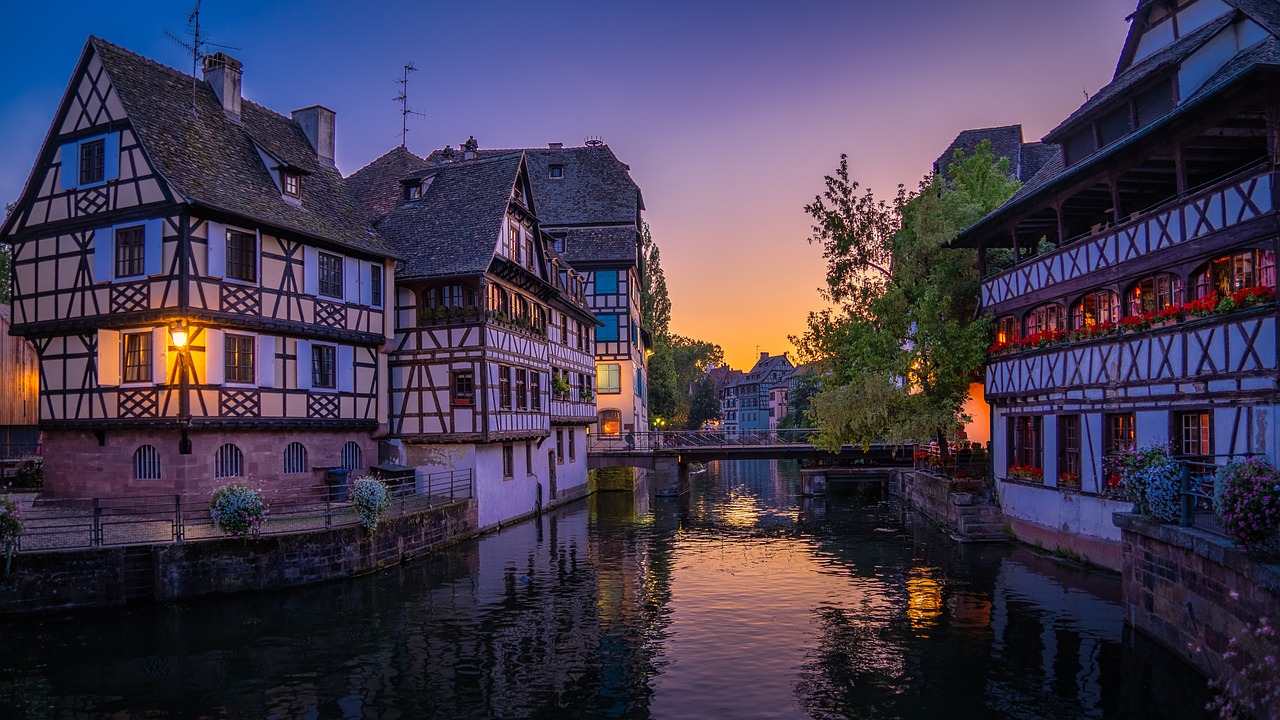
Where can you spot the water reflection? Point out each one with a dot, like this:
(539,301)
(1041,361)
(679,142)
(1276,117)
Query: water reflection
(734,600)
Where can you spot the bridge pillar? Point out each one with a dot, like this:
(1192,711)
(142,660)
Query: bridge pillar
(666,475)
(813,482)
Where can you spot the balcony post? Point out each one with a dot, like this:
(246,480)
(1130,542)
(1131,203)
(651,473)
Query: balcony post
(1017,252)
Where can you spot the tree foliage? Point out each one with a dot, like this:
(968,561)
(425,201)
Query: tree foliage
(901,346)
(655,303)
(6,262)
(704,405)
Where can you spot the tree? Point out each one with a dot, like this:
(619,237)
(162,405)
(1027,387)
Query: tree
(655,303)
(902,345)
(800,400)
(6,262)
(704,405)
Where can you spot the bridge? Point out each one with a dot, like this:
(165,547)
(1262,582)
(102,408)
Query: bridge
(649,449)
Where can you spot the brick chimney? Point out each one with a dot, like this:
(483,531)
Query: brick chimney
(469,148)
(317,123)
(223,72)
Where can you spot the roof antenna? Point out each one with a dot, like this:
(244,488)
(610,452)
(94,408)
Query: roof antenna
(403,99)
(195,47)
(594,141)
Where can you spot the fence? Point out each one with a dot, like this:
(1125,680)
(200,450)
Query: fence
(963,464)
(70,523)
(677,439)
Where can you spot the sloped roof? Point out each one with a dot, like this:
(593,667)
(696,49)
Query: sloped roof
(614,244)
(211,160)
(376,188)
(1006,142)
(453,229)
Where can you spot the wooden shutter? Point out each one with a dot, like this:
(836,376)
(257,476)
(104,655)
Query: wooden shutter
(160,355)
(153,249)
(104,254)
(108,357)
(366,284)
(215,357)
(217,233)
(351,279)
(303,365)
(310,270)
(346,368)
(266,360)
(111,156)
(70,166)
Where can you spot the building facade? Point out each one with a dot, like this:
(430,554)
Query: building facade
(19,394)
(745,400)
(203,305)
(1139,309)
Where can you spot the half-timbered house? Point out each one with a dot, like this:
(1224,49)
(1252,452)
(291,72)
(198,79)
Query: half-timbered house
(206,302)
(19,396)
(1139,307)
(491,368)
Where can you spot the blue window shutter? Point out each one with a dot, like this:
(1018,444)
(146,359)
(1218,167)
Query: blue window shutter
(153,248)
(111,156)
(217,239)
(310,270)
(610,329)
(104,254)
(304,365)
(266,360)
(70,165)
(351,279)
(366,285)
(346,368)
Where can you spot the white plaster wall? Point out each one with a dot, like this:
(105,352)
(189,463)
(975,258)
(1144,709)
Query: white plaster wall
(1067,512)
(999,444)
(1151,427)
(498,499)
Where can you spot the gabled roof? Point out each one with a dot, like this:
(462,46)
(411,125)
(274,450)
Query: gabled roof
(453,229)
(377,188)
(212,161)
(1006,142)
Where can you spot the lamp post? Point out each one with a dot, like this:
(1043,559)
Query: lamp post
(179,337)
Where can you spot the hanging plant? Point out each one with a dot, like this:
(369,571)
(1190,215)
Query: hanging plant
(371,499)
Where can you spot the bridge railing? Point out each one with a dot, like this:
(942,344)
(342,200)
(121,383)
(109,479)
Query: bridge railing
(675,440)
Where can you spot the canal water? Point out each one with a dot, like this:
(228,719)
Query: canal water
(736,600)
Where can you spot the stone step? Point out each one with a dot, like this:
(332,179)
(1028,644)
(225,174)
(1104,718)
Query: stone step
(982,528)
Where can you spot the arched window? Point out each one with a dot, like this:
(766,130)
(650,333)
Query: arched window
(610,422)
(229,462)
(1237,271)
(351,456)
(295,459)
(1041,318)
(1095,308)
(1154,292)
(146,463)
(1007,329)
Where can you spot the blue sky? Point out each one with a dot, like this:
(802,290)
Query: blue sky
(729,113)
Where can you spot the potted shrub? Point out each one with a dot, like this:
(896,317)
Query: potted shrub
(1155,480)
(238,509)
(30,473)
(559,386)
(371,499)
(1246,496)
(1068,480)
(10,529)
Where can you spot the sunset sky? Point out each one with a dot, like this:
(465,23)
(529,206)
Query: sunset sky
(729,113)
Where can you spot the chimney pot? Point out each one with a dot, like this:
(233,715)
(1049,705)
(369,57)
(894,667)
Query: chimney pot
(223,74)
(317,123)
(469,148)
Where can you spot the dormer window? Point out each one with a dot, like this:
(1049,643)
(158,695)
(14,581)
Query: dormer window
(291,183)
(557,171)
(412,191)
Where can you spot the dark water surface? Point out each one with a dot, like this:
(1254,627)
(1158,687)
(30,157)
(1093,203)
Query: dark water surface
(737,600)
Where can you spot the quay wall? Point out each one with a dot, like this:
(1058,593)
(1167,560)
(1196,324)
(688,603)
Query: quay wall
(1178,585)
(928,493)
(110,577)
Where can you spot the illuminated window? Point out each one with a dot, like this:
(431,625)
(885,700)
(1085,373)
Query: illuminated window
(1193,430)
(609,378)
(1154,292)
(610,422)
(1044,317)
(1096,308)
(1239,270)
(1007,329)
(137,357)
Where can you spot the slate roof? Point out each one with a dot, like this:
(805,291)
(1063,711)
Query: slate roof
(1006,142)
(211,161)
(376,188)
(453,229)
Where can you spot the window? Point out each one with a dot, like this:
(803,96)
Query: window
(242,256)
(375,285)
(351,455)
(508,462)
(522,389)
(504,387)
(1044,317)
(610,422)
(557,171)
(1237,271)
(130,251)
(295,459)
(1154,103)
(606,282)
(528,458)
(1193,433)
(228,462)
(330,275)
(535,391)
(610,330)
(1118,433)
(1007,329)
(1097,308)
(513,241)
(639,382)
(559,447)
(564,328)
(323,360)
(291,182)
(1069,451)
(1026,441)
(571,451)
(137,357)
(463,387)
(238,350)
(557,242)
(584,387)
(609,378)
(1154,293)
(146,463)
(92,161)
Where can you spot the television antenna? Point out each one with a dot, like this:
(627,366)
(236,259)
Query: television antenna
(196,47)
(403,99)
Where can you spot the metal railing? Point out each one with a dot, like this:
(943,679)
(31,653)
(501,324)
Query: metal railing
(674,440)
(959,464)
(71,523)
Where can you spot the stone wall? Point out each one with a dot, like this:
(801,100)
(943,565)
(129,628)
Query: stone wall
(109,577)
(1178,585)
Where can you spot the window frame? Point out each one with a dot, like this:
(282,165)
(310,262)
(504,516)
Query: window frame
(603,373)
(613,415)
(458,397)
(144,353)
(233,261)
(504,387)
(294,456)
(1203,430)
(610,329)
(287,178)
(227,458)
(508,461)
(318,366)
(147,468)
(1070,447)
(522,389)
(136,237)
(233,349)
(100,143)
(330,281)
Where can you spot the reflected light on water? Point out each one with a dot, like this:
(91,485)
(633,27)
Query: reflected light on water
(924,600)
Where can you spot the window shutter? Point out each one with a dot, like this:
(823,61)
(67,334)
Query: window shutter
(215,357)
(70,166)
(351,279)
(310,271)
(111,156)
(303,365)
(266,359)
(217,233)
(366,285)
(160,355)
(108,357)
(346,368)
(153,248)
(104,254)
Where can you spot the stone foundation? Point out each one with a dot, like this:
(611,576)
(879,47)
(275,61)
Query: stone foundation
(614,479)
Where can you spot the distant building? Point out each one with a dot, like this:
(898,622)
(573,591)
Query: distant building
(746,398)
(19,393)
(780,395)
